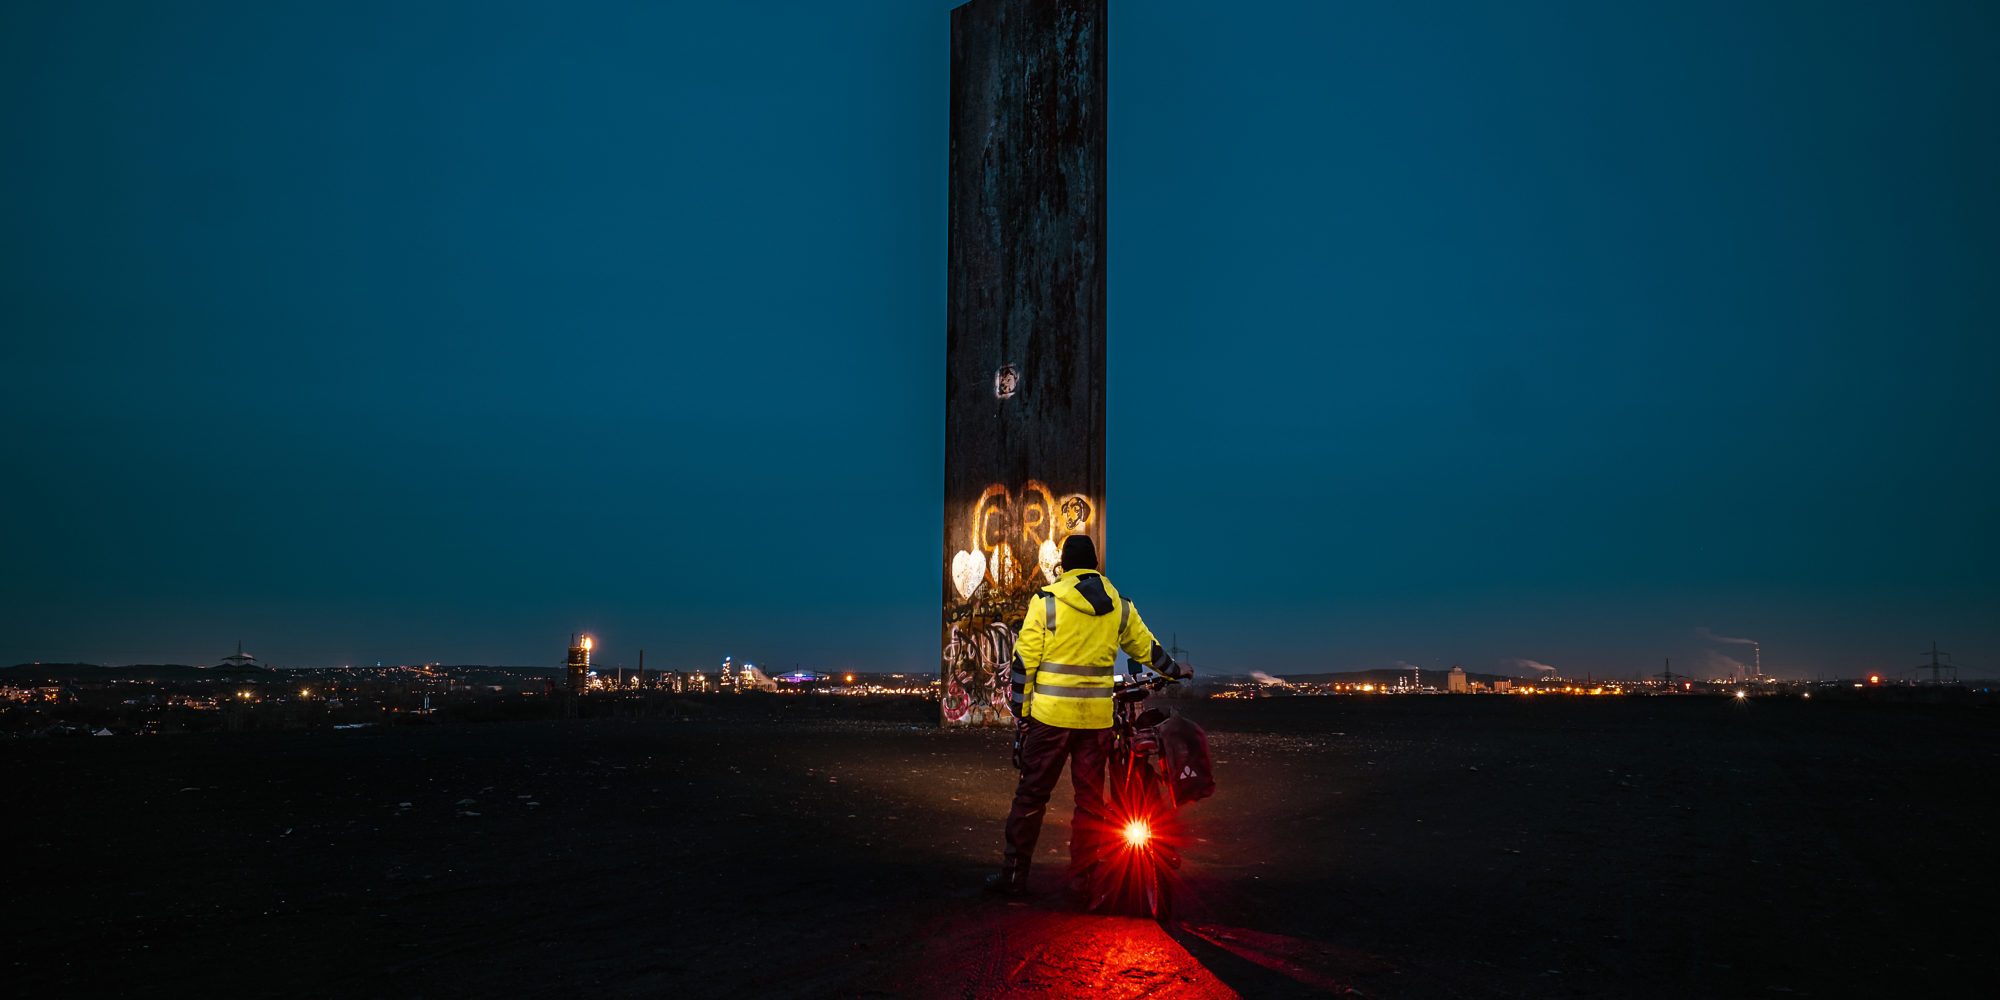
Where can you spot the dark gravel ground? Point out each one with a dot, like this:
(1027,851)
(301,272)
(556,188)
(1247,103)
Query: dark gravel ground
(1420,847)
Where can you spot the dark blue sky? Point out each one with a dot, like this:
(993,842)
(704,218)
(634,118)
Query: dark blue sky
(1439,332)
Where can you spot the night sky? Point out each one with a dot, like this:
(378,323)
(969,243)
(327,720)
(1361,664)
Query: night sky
(1439,333)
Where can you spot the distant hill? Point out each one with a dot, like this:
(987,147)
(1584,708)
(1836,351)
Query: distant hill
(468,667)
(28,673)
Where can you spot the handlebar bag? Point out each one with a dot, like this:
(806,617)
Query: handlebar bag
(1186,748)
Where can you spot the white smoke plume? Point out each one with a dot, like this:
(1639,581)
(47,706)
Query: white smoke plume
(1406,665)
(1706,633)
(1263,678)
(1720,665)
(1532,665)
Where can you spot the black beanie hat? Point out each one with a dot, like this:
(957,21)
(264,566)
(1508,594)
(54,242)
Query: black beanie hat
(1079,552)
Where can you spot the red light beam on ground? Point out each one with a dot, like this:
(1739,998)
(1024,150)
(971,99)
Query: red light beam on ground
(1021,951)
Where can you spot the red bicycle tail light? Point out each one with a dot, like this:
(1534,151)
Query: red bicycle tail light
(1137,833)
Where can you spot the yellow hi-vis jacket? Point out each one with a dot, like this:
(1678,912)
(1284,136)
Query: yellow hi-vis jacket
(1068,651)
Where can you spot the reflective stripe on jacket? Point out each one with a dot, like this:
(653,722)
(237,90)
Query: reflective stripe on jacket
(1068,651)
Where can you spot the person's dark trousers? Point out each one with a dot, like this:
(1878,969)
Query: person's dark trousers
(1043,750)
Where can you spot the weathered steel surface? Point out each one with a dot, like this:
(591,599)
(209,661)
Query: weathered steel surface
(1024,377)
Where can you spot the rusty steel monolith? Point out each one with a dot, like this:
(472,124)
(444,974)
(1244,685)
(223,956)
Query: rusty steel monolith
(1024,335)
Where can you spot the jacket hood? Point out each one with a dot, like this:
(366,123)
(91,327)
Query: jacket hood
(1086,590)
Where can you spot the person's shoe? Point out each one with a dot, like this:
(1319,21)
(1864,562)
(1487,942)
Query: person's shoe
(1008,881)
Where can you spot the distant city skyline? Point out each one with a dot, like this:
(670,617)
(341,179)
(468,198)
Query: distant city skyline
(1554,334)
(1711,664)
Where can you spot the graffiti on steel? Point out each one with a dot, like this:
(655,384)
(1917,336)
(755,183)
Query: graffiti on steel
(1012,549)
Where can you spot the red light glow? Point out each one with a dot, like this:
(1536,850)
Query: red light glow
(1137,833)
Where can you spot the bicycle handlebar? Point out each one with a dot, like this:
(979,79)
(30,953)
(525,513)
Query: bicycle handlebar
(1135,687)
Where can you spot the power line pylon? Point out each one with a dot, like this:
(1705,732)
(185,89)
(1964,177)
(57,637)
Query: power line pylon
(1937,669)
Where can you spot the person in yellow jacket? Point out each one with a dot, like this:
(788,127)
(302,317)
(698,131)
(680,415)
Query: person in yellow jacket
(1062,681)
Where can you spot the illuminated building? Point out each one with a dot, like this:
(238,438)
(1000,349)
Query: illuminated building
(579,664)
(1454,682)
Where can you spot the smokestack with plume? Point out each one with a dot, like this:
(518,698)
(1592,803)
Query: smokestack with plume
(1756,668)
(1532,665)
(1708,634)
(1263,678)
(1416,672)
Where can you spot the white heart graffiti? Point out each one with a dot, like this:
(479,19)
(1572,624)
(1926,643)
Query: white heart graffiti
(968,570)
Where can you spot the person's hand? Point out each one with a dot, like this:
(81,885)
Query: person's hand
(1020,734)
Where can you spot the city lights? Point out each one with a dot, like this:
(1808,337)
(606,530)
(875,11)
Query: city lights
(1256,685)
(349,696)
